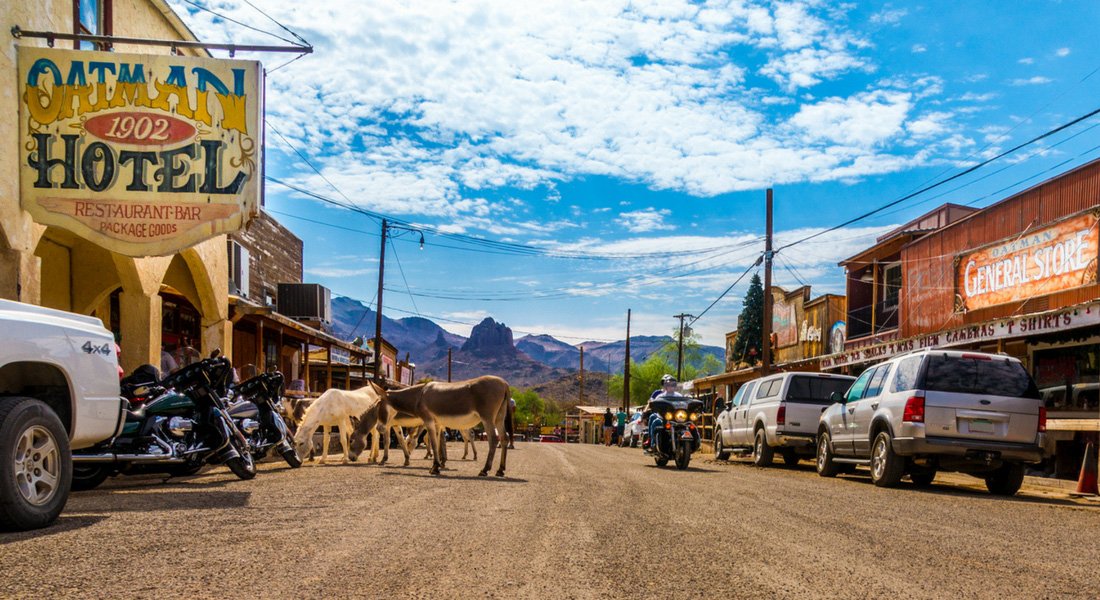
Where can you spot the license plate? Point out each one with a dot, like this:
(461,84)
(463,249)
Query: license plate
(981,426)
(685,436)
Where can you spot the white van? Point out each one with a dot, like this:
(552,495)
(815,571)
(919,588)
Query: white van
(781,412)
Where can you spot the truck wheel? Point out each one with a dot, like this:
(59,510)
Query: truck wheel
(89,476)
(887,468)
(1005,481)
(35,464)
(720,452)
(825,465)
(762,453)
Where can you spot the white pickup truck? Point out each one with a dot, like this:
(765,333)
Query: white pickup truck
(58,391)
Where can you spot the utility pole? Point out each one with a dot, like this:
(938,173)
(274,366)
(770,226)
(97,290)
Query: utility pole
(582,376)
(378,307)
(448,365)
(766,351)
(626,366)
(680,345)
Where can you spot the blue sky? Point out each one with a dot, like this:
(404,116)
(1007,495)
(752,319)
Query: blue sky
(627,145)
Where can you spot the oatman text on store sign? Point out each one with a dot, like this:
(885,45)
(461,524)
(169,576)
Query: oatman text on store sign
(1059,257)
(142,154)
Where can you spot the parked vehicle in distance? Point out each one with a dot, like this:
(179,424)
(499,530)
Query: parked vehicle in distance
(59,391)
(632,433)
(778,413)
(550,439)
(932,410)
(1078,396)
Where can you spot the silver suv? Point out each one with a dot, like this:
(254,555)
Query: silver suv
(932,410)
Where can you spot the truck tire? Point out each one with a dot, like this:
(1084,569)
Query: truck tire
(762,453)
(89,476)
(1006,480)
(720,452)
(887,468)
(35,464)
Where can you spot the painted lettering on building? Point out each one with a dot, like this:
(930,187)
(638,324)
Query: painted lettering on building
(141,154)
(1059,257)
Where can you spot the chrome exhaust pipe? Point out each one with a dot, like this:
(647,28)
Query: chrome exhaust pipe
(134,458)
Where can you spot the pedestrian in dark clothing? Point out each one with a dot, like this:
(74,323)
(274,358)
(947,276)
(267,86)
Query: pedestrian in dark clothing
(608,426)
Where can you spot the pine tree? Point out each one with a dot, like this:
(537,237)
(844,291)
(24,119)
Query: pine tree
(750,323)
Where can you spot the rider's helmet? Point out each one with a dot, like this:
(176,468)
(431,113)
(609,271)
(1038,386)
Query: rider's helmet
(668,380)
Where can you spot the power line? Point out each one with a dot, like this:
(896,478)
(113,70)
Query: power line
(247,26)
(759,260)
(401,270)
(944,181)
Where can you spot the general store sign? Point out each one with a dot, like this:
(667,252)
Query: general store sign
(141,154)
(1062,256)
(1087,315)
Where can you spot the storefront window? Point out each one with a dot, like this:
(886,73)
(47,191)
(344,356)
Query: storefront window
(1069,377)
(891,276)
(93,17)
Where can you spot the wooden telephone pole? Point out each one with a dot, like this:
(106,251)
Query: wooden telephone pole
(378,317)
(680,346)
(582,377)
(766,329)
(626,367)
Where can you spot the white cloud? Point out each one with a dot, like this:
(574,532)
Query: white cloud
(1062,52)
(889,16)
(1027,60)
(641,221)
(334,272)
(919,49)
(863,120)
(1037,80)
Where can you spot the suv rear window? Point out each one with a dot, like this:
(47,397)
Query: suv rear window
(816,390)
(992,377)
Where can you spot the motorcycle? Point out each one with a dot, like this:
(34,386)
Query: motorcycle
(181,426)
(256,413)
(678,437)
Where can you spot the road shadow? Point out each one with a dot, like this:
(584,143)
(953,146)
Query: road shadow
(130,482)
(127,501)
(449,477)
(672,467)
(958,490)
(63,524)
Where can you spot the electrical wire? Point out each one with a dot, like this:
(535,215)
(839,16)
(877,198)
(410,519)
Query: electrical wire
(401,270)
(245,25)
(723,294)
(962,173)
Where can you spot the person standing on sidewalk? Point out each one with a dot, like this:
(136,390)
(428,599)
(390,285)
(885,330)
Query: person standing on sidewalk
(608,426)
(620,424)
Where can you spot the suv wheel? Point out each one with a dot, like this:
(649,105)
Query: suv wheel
(720,452)
(762,453)
(1006,480)
(825,465)
(35,464)
(887,468)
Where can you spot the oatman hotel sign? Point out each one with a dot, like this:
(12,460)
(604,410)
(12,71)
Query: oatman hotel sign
(141,154)
(1059,257)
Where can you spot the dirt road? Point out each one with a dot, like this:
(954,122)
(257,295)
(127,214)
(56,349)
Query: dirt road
(569,521)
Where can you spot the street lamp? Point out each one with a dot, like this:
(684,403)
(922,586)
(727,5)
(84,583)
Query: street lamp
(386,227)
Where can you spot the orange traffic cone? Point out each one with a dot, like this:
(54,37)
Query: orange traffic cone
(1086,482)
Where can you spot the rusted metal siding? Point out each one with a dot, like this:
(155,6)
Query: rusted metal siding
(928,271)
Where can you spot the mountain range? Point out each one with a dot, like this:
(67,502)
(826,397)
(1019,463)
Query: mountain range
(490,350)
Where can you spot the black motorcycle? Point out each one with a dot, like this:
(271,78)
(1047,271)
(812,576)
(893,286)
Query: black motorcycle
(256,412)
(678,436)
(181,425)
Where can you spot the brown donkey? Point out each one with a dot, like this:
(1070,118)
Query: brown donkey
(458,405)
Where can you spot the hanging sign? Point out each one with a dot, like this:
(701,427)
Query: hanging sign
(1059,257)
(141,154)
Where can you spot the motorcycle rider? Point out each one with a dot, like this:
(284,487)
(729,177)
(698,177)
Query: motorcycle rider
(668,388)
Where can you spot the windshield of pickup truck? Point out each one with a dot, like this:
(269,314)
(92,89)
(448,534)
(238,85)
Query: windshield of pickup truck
(816,390)
(979,375)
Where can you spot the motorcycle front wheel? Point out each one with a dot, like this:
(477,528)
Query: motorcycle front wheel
(683,457)
(243,465)
(290,455)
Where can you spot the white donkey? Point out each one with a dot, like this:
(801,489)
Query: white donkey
(334,410)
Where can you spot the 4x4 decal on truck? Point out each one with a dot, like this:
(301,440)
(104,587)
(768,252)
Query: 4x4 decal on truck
(90,348)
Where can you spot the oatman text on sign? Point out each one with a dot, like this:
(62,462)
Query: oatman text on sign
(141,154)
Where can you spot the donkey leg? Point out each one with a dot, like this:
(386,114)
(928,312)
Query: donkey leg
(433,442)
(492,448)
(345,429)
(502,415)
(325,431)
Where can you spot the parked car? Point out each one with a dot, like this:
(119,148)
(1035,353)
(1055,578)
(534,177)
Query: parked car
(1081,396)
(933,410)
(550,439)
(59,391)
(632,433)
(778,413)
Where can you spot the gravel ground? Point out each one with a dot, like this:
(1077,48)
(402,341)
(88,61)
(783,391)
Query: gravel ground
(570,521)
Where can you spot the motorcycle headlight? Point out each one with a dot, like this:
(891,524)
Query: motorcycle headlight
(693,417)
(681,415)
(668,416)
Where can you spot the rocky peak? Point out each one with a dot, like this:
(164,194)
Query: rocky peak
(489,338)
